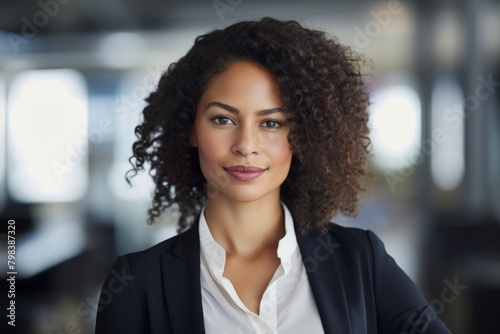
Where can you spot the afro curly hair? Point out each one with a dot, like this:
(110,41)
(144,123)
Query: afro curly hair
(325,104)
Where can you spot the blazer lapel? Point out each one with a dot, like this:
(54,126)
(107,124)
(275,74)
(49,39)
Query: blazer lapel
(181,278)
(318,255)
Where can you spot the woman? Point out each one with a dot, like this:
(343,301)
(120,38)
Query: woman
(259,136)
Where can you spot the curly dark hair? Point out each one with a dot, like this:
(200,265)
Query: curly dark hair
(324,100)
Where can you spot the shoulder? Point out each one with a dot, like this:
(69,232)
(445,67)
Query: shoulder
(153,251)
(349,233)
(359,243)
(349,245)
(184,245)
(356,238)
(342,238)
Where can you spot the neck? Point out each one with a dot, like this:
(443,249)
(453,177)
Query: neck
(245,228)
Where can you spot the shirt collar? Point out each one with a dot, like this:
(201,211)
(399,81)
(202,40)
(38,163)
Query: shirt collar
(288,243)
(216,255)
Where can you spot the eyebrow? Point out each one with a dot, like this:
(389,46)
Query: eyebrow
(236,111)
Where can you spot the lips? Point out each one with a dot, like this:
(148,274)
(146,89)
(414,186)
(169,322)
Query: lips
(245,173)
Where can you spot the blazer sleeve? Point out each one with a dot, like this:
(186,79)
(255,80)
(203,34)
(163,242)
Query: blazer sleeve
(401,308)
(119,309)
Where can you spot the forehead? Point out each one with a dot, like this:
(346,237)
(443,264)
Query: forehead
(243,83)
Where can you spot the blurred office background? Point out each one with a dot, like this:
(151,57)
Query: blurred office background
(73,76)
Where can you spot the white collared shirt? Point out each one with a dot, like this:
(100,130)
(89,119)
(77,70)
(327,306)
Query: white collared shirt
(287,305)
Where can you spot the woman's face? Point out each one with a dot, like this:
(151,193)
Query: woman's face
(241,134)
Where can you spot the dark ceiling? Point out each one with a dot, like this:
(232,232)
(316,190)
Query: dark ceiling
(73,29)
(91,16)
(87,16)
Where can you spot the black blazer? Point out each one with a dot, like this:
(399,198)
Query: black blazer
(357,286)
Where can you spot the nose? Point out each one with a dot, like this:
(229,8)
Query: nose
(246,141)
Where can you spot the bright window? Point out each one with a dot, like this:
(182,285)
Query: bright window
(447,162)
(47,142)
(395,117)
(2,145)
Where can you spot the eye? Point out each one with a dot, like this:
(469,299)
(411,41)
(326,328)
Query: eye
(222,120)
(272,124)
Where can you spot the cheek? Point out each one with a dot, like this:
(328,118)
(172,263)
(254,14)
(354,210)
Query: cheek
(280,151)
(209,149)
(211,153)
